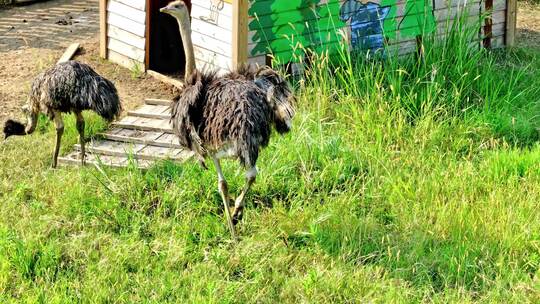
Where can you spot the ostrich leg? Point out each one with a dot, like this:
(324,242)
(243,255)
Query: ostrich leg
(59,124)
(80,128)
(224,191)
(239,203)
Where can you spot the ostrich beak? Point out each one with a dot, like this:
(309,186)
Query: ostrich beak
(165,10)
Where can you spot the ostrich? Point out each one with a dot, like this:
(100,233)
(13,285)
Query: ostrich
(228,116)
(67,87)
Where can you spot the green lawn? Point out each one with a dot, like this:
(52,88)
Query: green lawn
(401,182)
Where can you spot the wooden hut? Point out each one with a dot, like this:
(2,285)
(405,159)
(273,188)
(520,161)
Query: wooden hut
(228,32)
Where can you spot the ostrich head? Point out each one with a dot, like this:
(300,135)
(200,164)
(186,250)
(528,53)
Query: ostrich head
(12,127)
(179,10)
(278,95)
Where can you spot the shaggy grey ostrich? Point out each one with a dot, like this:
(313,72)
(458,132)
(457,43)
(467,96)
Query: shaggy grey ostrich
(67,87)
(228,116)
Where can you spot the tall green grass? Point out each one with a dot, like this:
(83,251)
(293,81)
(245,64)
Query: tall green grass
(404,180)
(454,77)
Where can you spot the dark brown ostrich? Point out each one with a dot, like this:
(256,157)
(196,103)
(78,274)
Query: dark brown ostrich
(228,116)
(67,87)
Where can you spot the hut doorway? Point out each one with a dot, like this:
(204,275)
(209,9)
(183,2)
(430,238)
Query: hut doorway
(165,53)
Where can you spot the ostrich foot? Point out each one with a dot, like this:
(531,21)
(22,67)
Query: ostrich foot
(83,158)
(235,212)
(238,212)
(202,163)
(237,215)
(230,203)
(223,189)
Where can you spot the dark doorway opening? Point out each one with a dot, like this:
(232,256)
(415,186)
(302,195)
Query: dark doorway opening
(165,53)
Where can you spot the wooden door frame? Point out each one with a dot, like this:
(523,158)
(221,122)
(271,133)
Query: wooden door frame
(147,36)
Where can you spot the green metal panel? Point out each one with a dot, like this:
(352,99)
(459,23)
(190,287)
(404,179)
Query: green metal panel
(287,28)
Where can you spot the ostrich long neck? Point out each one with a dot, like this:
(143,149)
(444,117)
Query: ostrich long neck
(31,124)
(185,31)
(31,117)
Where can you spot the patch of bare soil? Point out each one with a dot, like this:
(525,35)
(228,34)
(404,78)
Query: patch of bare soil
(528,24)
(33,37)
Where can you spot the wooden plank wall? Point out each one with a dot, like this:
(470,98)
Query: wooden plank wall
(494,30)
(217,46)
(212,35)
(126,31)
(444,13)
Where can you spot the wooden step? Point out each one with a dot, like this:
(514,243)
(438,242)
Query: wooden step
(73,158)
(150,115)
(159,139)
(144,124)
(143,137)
(152,111)
(158,102)
(136,151)
(166,79)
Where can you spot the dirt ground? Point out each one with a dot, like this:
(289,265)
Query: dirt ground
(528,24)
(33,38)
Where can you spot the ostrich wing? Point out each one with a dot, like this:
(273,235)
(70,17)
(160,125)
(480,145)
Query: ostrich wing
(187,110)
(186,115)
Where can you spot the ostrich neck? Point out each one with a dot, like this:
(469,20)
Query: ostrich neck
(31,123)
(185,32)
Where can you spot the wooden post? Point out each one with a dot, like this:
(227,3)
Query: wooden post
(103,28)
(488,25)
(240,32)
(511,18)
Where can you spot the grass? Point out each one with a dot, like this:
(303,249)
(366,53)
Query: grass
(136,70)
(402,181)
(533,2)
